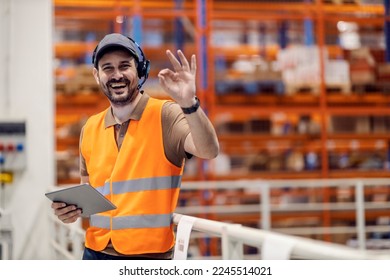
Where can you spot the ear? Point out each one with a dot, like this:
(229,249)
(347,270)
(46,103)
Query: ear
(96,75)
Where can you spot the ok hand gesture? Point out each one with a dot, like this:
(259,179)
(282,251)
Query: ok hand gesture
(180,83)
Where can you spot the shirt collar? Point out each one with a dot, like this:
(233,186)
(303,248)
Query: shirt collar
(136,114)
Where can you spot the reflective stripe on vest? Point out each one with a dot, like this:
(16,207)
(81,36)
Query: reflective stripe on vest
(128,222)
(146,184)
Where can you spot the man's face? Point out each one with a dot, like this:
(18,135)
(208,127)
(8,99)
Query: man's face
(117,77)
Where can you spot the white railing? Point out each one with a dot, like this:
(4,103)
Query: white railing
(5,235)
(265,208)
(68,242)
(234,236)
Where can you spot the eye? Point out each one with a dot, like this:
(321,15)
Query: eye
(125,66)
(107,68)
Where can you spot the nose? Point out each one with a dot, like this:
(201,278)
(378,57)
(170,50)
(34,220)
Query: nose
(117,74)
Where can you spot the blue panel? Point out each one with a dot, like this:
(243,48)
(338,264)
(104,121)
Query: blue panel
(179,34)
(137,29)
(203,44)
(178,27)
(283,41)
(387,29)
(308,27)
(124,26)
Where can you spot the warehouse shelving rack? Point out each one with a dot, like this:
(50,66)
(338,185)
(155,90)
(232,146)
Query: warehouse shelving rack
(191,25)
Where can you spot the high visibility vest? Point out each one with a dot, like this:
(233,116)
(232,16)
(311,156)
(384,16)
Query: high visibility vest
(138,179)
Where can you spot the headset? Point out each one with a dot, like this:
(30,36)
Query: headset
(143,66)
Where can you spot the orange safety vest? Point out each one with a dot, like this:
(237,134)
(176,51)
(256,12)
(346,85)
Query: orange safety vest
(139,180)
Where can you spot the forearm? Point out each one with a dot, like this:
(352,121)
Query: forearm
(202,141)
(180,85)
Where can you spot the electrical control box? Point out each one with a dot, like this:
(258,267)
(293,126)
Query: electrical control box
(12,146)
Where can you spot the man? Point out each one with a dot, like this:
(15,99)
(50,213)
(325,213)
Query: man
(134,152)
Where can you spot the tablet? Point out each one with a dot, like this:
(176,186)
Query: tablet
(84,196)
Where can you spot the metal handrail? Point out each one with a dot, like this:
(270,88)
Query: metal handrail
(263,188)
(301,248)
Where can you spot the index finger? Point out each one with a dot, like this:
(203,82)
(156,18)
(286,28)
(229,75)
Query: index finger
(183,60)
(56,205)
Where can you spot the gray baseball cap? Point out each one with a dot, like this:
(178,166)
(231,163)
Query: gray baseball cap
(111,41)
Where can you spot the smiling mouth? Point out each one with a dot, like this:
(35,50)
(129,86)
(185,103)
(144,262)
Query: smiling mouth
(118,85)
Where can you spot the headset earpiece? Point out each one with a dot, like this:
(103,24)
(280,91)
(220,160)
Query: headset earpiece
(143,67)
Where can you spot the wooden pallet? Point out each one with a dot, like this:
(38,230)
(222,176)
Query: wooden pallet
(315,89)
(382,87)
(79,86)
(342,2)
(80,81)
(249,87)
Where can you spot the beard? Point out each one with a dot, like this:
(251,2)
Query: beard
(120,96)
